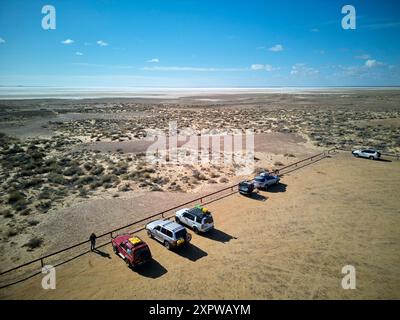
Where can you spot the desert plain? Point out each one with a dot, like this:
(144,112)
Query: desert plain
(70,167)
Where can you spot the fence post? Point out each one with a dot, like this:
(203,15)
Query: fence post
(41,262)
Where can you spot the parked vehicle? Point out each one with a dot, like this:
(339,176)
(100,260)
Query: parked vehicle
(246,187)
(367,153)
(169,233)
(133,250)
(265,180)
(198,218)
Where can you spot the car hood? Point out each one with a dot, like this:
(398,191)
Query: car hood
(152,224)
(181,211)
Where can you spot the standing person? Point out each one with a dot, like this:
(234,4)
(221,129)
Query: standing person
(92,241)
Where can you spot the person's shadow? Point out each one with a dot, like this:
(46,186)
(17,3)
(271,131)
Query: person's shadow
(102,253)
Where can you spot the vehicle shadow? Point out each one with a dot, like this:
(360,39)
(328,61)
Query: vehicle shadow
(280,187)
(152,269)
(379,159)
(218,235)
(257,196)
(383,160)
(102,253)
(191,252)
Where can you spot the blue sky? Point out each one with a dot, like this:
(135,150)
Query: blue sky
(199,43)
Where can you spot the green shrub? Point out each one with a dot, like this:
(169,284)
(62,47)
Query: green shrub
(34,243)
(7,214)
(72,171)
(12,232)
(97,170)
(25,211)
(15,197)
(43,206)
(32,182)
(56,178)
(32,222)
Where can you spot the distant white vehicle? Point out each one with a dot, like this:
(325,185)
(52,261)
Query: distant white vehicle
(367,153)
(265,180)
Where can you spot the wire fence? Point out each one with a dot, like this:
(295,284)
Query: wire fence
(32,268)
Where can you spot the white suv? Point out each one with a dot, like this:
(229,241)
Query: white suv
(367,153)
(199,219)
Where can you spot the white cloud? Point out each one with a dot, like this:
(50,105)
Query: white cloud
(257,66)
(363,57)
(154,60)
(79,53)
(253,67)
(369,70)
(102,43)
(67,41)
(303,70)
(110,66)
(371,63)
(2,40)
(194,69)
(384,25)
(276,48)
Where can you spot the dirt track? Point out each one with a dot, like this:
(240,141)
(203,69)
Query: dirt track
(290,242)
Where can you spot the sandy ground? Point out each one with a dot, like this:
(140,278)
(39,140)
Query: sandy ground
(290,242)
(274,142)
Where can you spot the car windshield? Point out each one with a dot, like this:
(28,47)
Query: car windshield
(260,179)
(181,234)
(208,219)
